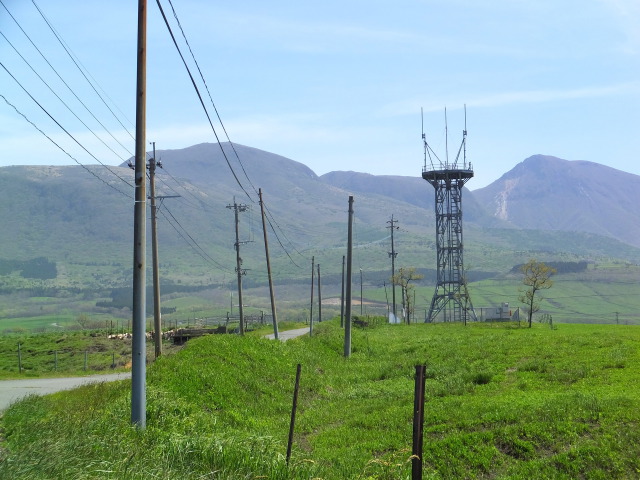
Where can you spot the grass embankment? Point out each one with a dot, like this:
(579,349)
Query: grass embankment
(501,402)
(79,352)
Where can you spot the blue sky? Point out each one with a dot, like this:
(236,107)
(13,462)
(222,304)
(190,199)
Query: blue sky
(337,85)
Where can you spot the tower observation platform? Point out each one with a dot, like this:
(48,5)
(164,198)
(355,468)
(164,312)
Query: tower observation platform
(451,301)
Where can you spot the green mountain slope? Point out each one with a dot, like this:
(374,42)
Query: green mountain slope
(82,219)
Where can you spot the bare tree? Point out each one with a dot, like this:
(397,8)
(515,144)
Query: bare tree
(83,320)
(537,276)
(403,277)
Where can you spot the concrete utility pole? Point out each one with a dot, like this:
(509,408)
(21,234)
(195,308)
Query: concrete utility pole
(157,322)
(319,297)
(360,292)
(138,344)
(311,305)
(393,254)
(347,320)
(266,248)
(239,270)
(342,297)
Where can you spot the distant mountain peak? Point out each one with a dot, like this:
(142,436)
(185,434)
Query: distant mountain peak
(544,192)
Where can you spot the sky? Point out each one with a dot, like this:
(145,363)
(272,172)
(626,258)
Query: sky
(336,85)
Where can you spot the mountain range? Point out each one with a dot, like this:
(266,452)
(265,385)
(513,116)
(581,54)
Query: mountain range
(81,217)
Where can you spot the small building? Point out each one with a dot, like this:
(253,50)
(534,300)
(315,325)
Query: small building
(497,313)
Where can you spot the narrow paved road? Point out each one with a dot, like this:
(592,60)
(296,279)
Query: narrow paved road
(289,334)
(13,390)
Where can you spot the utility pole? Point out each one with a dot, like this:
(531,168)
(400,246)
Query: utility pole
(311,305)
(138,344)
(347,324)
(342,297)
(393,254)
(157,322)
(319,297)
(360,292)
(266,249)
(239,270)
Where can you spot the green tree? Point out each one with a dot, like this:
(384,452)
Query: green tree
(403,277)
(537,276)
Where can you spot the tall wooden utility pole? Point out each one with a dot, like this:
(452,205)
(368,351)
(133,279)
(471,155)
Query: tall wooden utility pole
(319,297)
(138,344)
(347,320)
(393,254)
(240,271)
(157,322)
(311,305)
(266,249)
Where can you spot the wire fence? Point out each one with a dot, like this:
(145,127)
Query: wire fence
(24,360)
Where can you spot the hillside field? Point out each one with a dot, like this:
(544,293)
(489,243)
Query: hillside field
(502,402)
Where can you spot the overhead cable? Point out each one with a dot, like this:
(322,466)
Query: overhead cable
(72,57)
(67,153)
(58,97)
(59,76)
(63,129)
(206,255)
(195,86)
(175,15)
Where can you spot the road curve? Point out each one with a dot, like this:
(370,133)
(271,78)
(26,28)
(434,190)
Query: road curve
(289,334)
(13,390)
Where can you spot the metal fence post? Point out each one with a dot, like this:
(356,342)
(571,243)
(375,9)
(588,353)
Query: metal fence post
(418,421)
(293,412)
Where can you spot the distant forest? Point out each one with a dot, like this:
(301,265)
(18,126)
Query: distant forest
(39,268)
(561,267)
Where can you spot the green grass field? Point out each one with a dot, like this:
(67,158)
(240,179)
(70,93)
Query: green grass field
(502,401)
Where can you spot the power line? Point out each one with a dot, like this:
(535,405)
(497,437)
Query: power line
(195,86)
(204,254)
(67,153)
(217,113)
(183,187)
(215,109)
(59,76)
(63,129)
(82,72)
(281,245)
(58,97)
(175,15)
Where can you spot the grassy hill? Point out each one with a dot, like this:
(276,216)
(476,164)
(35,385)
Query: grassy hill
(501,402)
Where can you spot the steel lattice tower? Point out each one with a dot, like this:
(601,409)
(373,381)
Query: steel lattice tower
(451,297)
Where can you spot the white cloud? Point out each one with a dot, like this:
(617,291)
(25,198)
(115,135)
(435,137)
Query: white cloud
(511,98)
(539,96)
